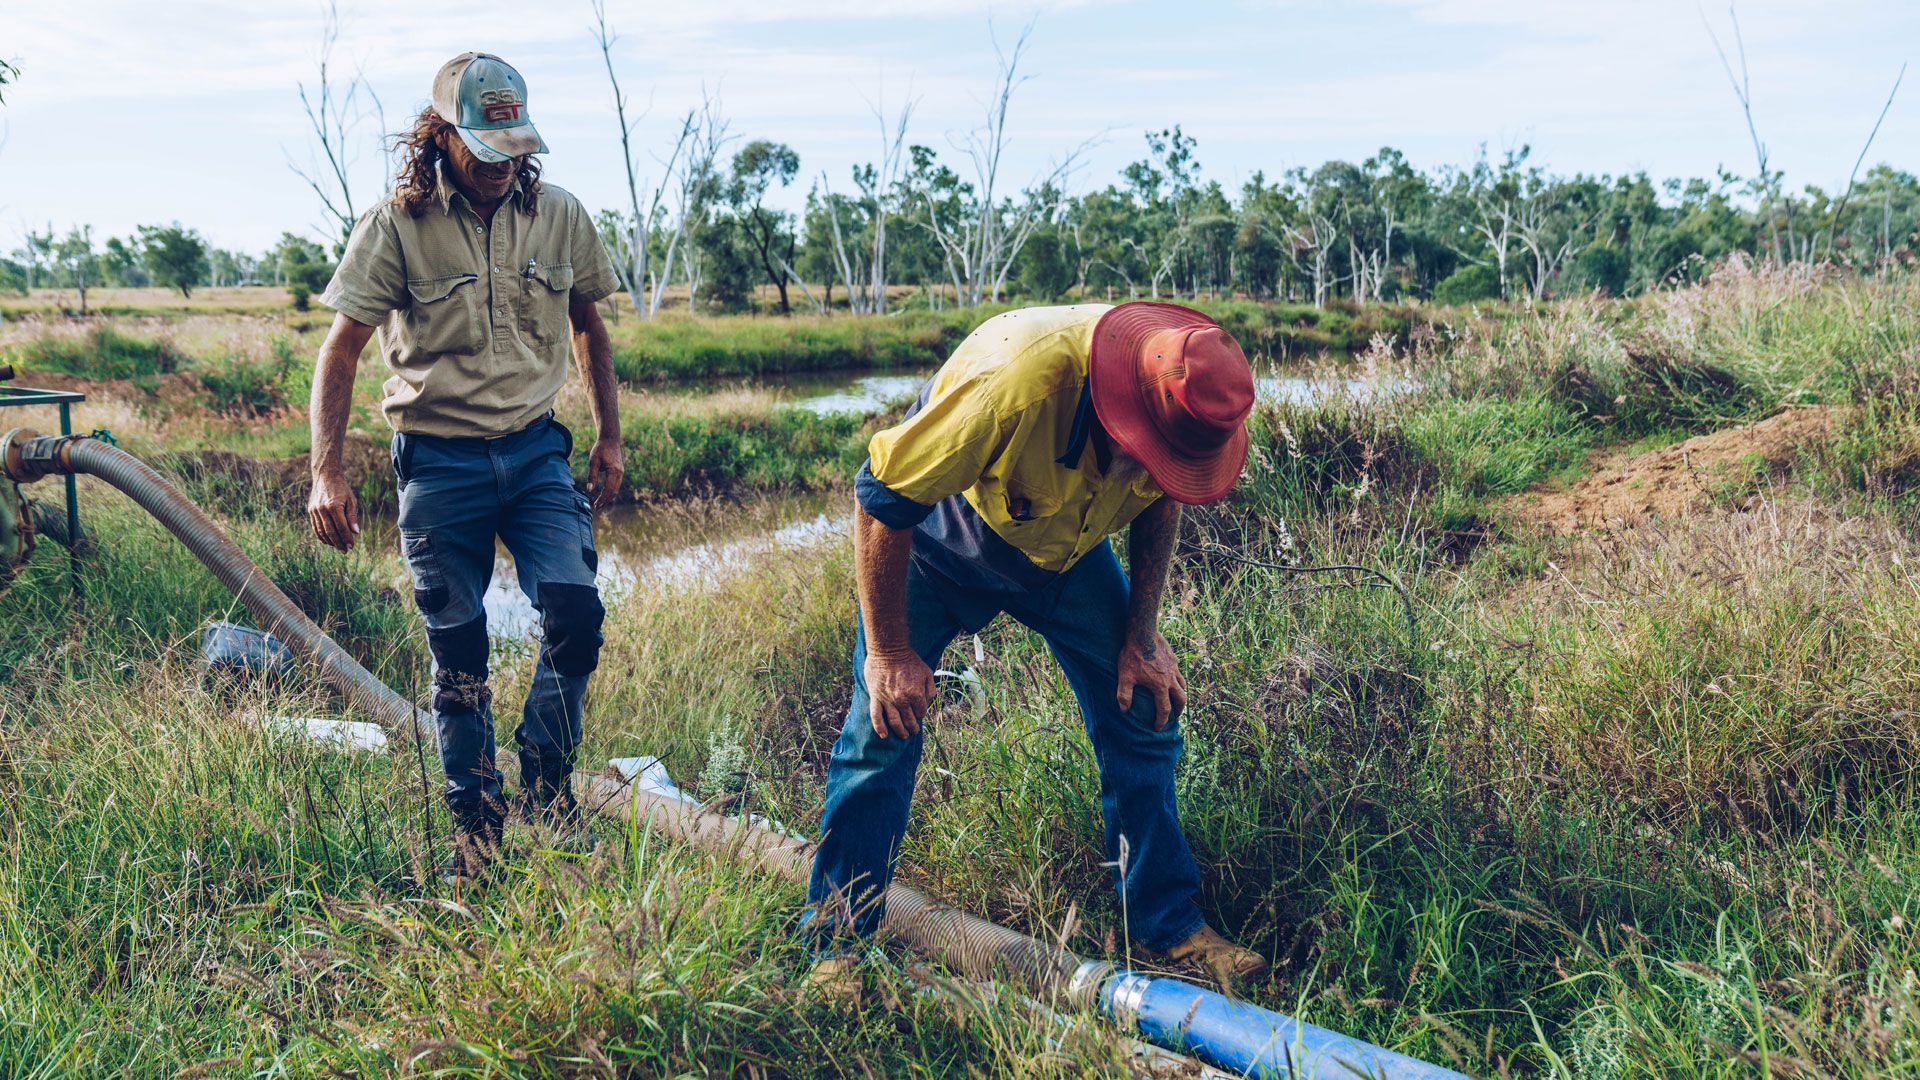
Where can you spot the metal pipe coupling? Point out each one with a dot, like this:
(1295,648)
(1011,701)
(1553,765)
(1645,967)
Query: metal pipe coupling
(26,455)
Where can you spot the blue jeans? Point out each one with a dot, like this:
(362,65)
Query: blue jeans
(456,496)
(1082,615)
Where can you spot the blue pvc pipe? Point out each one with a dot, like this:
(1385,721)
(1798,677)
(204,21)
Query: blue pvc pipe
(1247,1039)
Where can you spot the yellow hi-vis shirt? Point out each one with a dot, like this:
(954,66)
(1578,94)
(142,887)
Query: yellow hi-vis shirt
(1003,436)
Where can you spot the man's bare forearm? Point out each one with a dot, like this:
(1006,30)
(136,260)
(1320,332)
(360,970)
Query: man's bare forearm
(331,401)
(880,557)
(1150,541)
(593,354)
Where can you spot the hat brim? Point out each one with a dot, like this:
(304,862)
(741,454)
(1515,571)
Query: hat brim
(1120,403)
(494,145)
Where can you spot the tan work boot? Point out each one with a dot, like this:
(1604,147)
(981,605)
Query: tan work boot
(1223,959)
(836,980)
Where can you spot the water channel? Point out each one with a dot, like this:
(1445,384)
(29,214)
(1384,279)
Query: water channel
(686,548)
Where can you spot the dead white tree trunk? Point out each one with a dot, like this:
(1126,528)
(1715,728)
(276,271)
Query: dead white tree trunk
(706,136)
(631,257)
(334,114)
(1176,242)
(1384,262)
(985,244)
(1495,225)
(885,180)
(856,291)
(1315,241)
(1530,227)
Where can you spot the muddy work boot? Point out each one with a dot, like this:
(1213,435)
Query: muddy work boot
(836,980)
(548,807)
(1226,962)
(477,828)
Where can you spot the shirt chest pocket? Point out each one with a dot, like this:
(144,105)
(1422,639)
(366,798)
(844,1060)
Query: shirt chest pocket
(445,314)
(543,308)
(1025,503)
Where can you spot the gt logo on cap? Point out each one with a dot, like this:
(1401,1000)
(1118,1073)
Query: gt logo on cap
(501,104)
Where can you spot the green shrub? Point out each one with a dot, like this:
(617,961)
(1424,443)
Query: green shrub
(777,449)
(242,386)
(1468,284)
(101,353)
(1601,268)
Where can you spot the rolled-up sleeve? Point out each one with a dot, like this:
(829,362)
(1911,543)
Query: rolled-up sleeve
(371,281)
(941,449)
(593,276)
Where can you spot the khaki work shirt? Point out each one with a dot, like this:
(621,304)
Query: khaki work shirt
(473,316)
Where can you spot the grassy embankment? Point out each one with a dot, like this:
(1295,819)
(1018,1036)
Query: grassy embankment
(208,377)
(239,387)
(1635,803)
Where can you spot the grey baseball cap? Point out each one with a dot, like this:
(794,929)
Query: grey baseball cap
(486,102)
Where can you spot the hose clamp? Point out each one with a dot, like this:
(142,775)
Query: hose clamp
(1083,989)
(1128,994)
(26,455)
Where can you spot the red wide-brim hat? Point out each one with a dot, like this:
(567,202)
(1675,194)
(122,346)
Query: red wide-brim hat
(1174,390)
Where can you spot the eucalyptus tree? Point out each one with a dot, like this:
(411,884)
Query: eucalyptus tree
(758,166)
(79,263)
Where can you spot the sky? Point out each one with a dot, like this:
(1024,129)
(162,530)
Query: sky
(129,112)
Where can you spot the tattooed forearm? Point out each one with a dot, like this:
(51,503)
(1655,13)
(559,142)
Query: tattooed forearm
(1150,543)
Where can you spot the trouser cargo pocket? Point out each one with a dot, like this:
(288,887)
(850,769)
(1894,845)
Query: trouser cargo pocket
(429,580)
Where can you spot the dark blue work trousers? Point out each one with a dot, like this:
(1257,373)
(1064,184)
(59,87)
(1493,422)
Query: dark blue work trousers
(456,496)
(1082,615)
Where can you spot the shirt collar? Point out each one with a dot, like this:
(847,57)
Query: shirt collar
(445,192)
(1084,423)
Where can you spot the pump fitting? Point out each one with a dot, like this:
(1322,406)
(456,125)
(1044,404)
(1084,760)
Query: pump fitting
(26,455)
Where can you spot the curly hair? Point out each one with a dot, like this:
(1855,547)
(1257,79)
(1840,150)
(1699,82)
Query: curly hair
(420,171)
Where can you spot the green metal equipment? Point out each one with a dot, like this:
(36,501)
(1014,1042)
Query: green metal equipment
(16,516)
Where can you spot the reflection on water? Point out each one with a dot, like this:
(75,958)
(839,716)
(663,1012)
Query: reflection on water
(864,396)
(1308,390)
(674,548)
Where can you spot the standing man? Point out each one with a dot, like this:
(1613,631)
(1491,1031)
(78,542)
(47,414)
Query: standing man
(1048,430)
(479,276)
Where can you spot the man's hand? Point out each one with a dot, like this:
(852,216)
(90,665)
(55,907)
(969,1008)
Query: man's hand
(1148,662)
(900,689)
(333,510)
(606,468)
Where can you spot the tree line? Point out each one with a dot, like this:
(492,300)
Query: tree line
(1376,230)
(911,226)
(170,256)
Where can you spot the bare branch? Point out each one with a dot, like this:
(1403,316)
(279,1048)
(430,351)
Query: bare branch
(1743,92)
(333,114)
(1840,210)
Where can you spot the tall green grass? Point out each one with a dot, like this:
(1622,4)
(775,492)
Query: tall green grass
(1630,804)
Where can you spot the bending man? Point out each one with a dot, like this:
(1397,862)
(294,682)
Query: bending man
(1048,430)
(480,276)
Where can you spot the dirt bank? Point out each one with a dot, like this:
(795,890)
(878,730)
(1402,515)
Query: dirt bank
(175,388)
(281,480)
(1624,490)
